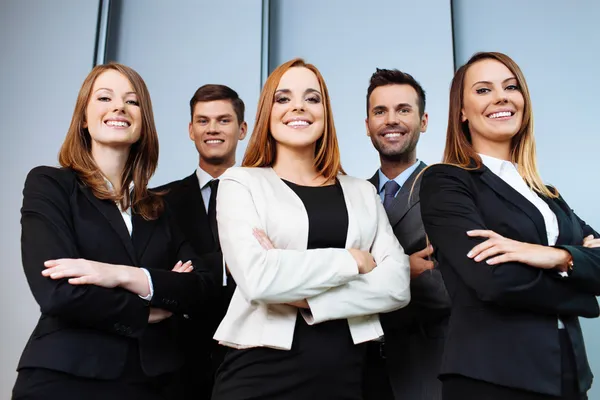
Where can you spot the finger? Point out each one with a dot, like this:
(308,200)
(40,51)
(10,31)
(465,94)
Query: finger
(503,258)
(492,251)
(82,280)
(426,252)
(51,263)
(189,269)
(428,265)
(483,233)
(177,265)
(481,247)
(592,243)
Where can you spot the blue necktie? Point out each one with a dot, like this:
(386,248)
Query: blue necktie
(390,188)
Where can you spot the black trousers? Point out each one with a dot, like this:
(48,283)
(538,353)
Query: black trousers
(45,384)
(457,387)
(376,383)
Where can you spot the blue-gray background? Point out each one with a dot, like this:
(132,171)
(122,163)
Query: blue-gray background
(48,47)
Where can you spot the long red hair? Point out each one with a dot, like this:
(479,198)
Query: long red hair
(76,154)
(261,150)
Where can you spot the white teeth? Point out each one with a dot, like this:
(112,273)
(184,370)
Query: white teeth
(392,135)
(298,123)
(117,123)
(500,114)
(214,141)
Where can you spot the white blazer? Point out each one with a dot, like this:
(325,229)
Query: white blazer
(327,278)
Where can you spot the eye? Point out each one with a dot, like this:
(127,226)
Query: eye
(133,102)
(512,87)
(282,99)
(404,110)
(225,121)
(378,112)
(103,98)
(202,121)
(482,90)
(314,99)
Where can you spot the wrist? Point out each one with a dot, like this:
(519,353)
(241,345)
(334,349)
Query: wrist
(565,261)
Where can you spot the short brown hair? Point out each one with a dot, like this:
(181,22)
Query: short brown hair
(76,154)
(218,92)
(459,149)
(261,150)
(384,77)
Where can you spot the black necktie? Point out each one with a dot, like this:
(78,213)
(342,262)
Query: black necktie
(212,212)
(391,188)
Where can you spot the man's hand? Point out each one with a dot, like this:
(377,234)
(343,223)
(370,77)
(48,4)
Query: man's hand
(419,262)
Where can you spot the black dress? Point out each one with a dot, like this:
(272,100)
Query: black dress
(323,362)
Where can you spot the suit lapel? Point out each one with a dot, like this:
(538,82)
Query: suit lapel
(566,225)
(111,213)
(405,200)
(195,209)
(508,193)
(142,232)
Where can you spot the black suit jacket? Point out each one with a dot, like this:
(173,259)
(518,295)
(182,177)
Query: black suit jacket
(503,326)
(88,330)
(202,353)
(415,334)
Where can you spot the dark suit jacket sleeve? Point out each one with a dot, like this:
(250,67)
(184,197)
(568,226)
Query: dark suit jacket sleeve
(449,211)
(585,275)
(47,234)
(182,293)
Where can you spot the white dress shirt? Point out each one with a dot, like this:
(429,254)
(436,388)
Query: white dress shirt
(508,172)
(204,178)
(126,215)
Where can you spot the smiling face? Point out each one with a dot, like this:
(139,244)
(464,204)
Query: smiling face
(394,123)
(493,104)
(298,116)
(112,116)
(216,132)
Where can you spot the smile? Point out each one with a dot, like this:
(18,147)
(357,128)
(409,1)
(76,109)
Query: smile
(298,123)
(117,123)
(501,114)
(214,141)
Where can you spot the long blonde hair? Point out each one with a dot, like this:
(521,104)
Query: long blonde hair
(459,150)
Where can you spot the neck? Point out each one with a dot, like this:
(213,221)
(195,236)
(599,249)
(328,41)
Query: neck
(392,168)
(111,162)
(496,150)
(296,165)
(217,169)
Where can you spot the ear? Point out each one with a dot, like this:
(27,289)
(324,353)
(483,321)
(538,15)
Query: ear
(190,131)
(424,122)
(367,126)
(463,117)
(243,130)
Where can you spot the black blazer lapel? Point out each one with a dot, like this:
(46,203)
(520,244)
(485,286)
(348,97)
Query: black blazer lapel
(508,193)
(405,200)
(111,212)
(568,226)
(142,232)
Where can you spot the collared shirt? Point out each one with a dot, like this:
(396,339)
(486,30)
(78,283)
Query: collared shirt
(204,178)
(400,179)
(126,215)
(509,173)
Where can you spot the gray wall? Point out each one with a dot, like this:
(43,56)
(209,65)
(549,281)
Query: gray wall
(47,49)
(558,47)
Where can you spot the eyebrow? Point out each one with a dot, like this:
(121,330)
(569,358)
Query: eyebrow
(399,105)
(288,91)
(228,115)
(110,90)
(490,83)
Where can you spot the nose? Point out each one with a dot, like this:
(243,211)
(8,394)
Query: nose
(119,105)
(392,118)
(298,104)
(213,126)
(501,97)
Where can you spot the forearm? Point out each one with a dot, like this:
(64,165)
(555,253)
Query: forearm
(134,280)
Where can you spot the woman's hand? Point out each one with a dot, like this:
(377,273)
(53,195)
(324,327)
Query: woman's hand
(85,272)
(263,239)
(498,249)
(364,260)
(590,242)
(183,267)
(158,315)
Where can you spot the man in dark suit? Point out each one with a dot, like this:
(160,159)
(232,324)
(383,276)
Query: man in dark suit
(404,364)
(217,125)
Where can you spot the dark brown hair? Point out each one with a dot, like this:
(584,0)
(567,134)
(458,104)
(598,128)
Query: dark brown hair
(218,92)
(384,77)
(76,154)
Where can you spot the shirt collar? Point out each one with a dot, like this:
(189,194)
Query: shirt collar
(496,165)
(204,177)
(400,179)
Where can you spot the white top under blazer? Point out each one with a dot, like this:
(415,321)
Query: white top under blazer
(327,278)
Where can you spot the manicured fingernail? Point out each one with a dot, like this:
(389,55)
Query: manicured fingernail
(490,262)
(470,254)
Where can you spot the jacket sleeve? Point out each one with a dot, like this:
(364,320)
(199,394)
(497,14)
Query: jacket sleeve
(585,275)
(182,293)
(448,210)
(385,288)
(277,275)
(46,234)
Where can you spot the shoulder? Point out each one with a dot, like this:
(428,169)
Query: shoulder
(447,172)
(358,185)
(45,177)
(246,175)
(176,185)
